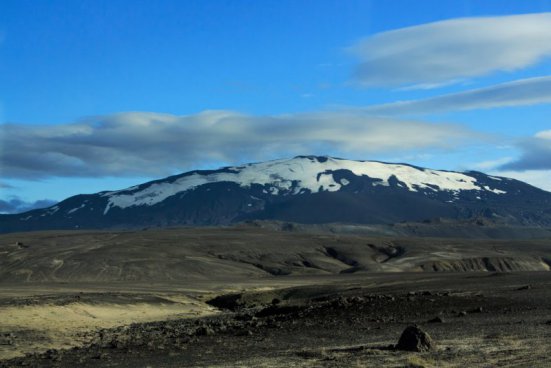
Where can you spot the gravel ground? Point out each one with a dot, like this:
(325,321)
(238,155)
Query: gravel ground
(475,320)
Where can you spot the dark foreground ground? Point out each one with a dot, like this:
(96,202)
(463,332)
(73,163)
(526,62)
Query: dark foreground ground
(476,320)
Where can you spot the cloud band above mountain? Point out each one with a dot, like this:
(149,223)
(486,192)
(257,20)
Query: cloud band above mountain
(440,53)
(530,91)
(536,154)
(17,205)
(141,143)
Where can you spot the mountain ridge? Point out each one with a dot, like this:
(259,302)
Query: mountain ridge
(303,189)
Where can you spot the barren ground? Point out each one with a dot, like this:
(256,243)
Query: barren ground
(331,310)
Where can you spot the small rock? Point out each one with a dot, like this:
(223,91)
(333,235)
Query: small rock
(204,331)
(357,299)
(461,314)
(436,320)
(97,356)
(245,333)
(52,355)
(415,339)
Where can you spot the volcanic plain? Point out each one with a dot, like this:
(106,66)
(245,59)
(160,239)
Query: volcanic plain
(268,294)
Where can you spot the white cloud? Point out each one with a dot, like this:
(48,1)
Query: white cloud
(546,134)
(530,91)
(438,53)
(537,178)
(142,143)
(491,164)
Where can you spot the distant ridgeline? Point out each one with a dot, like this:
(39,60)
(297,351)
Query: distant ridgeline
(304,189)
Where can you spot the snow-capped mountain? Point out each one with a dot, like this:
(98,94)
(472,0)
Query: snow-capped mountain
(307,189)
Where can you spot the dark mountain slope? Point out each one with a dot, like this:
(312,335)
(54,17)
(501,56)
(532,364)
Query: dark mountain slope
(305,189)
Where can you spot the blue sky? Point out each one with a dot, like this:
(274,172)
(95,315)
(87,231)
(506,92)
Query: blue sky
(99,95)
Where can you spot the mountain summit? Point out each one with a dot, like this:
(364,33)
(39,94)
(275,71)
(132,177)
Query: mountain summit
(304,189)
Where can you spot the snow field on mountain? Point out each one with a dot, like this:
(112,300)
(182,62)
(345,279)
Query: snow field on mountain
(297,175)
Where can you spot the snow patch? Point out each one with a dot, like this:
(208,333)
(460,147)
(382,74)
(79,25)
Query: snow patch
(50,211)
(496,191)
(293,176)
(76,209)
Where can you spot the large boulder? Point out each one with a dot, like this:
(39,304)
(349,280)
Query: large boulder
(415,339)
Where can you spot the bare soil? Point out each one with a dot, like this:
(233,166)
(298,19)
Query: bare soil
(263,297)
(475,320)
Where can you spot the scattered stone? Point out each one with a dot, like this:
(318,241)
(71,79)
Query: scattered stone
(245,333)
(525,287)
(274,310)
(52,354)
(20,244)
(476,310)
(204,331)
(97,356)
(415,339)
(415,365)
(8,339)
(357,300)
(461,314)
(436,320)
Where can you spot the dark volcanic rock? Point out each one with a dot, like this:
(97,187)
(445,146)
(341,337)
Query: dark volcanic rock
(278,310)
(204,331)
(436,320)
(228,301)
(415,339)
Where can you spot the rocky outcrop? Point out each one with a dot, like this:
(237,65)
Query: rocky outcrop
(415,339)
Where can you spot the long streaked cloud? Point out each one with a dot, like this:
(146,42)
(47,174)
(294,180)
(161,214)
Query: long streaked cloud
(536,154)
(141,143)
(444,52)
(530,91)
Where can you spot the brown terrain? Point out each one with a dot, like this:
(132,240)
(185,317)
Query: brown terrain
(272,295)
